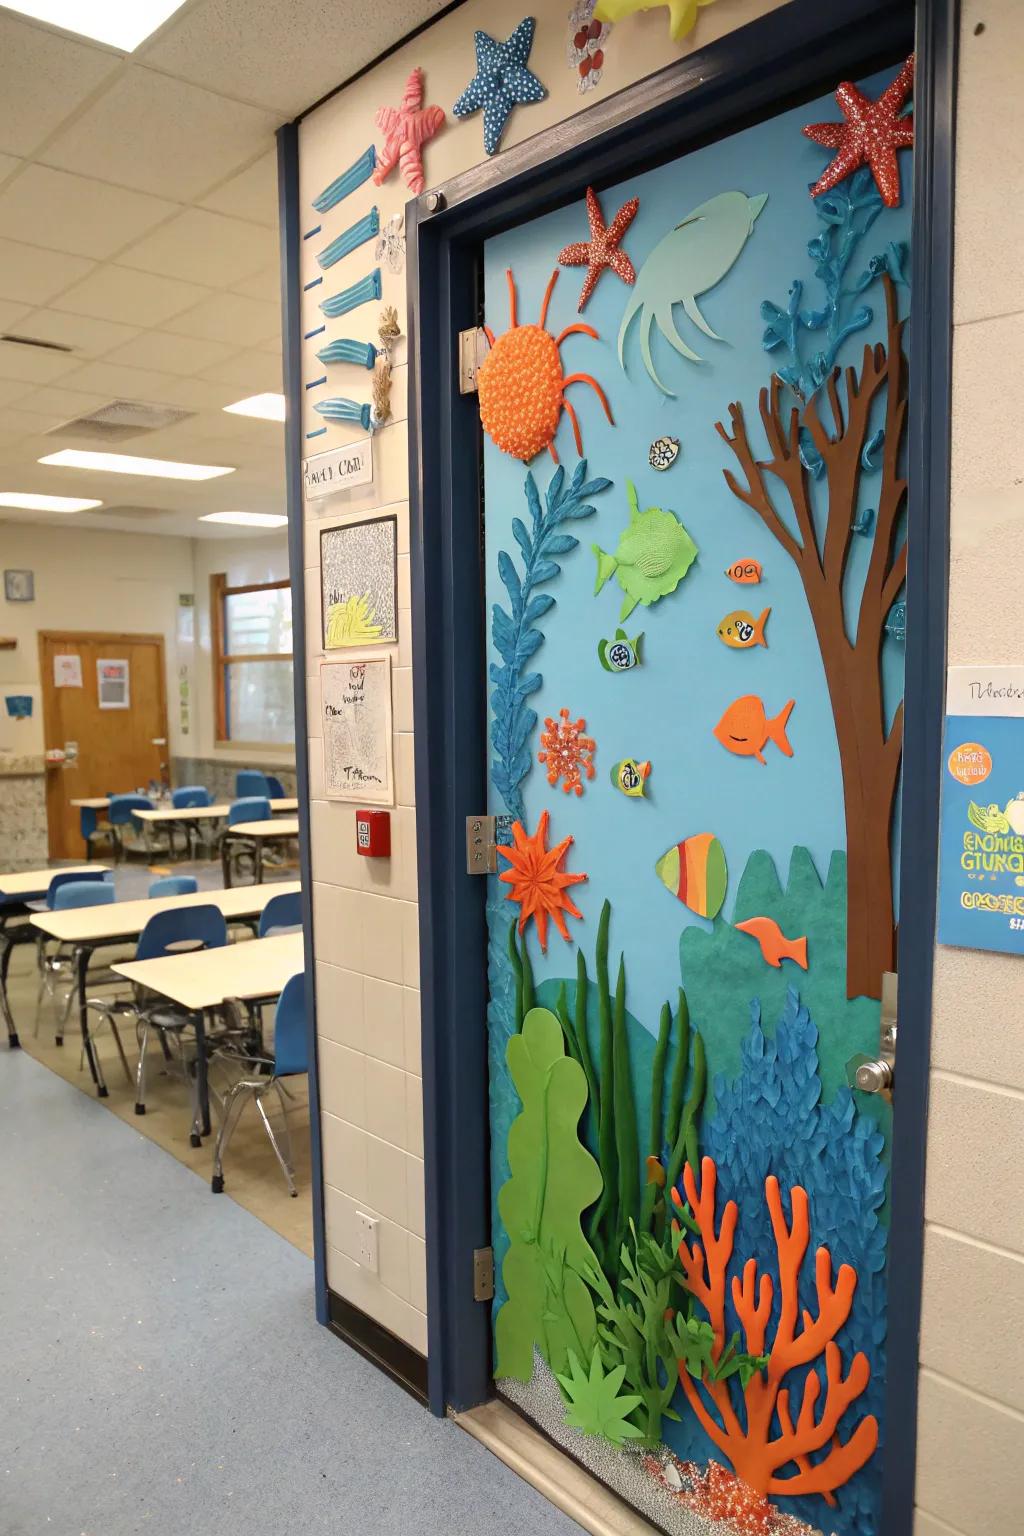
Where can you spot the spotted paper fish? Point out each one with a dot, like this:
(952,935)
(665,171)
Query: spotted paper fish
(620,654)
(745,728)
(775,947)
(653,555)
(631,776)
(746,573)
(663,453)
(742,631)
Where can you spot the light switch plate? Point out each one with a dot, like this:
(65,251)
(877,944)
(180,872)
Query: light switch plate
(369,1252)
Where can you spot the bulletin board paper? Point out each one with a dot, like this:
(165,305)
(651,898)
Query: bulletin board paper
(355,706)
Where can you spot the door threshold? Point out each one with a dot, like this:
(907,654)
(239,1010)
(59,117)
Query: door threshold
(562,1481)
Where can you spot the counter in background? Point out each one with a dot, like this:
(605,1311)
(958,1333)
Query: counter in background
(23,833)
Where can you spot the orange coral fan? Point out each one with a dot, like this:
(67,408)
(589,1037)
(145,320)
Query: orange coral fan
(521,385)
(567,753)
(537,883)
(770,1440)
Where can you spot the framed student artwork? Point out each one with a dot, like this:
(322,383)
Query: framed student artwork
(359,583)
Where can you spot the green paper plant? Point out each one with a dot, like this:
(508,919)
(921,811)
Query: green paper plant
(595,1404)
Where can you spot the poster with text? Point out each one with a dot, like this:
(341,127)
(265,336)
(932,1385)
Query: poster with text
(355,697)
(981,881)
(112,689)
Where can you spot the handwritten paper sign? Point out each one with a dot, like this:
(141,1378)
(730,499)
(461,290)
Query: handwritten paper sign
(67,671)
(981,879)
(355,704)
(339,469)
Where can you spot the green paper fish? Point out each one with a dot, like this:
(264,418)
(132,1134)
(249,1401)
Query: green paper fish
(631,776)
(620,654)
(654,554)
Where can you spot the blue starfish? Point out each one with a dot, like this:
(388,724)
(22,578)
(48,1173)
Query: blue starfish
(502,81)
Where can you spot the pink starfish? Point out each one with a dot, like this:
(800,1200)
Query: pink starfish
(406,129)
(602,249)
(871,134)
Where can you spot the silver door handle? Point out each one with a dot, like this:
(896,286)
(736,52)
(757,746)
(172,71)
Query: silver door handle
(873,1077)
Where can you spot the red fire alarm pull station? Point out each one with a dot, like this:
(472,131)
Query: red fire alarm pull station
(373,834)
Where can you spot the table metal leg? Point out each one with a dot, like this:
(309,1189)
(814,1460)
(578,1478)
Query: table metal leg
(202,1080)
(225,860)
(82,957)
(259,861)
(8,939)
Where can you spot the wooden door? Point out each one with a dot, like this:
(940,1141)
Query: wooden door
(122,744)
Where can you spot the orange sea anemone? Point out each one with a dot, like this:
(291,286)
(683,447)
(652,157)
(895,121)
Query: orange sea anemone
(538,884)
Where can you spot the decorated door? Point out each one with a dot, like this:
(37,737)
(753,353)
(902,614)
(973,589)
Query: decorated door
(694,408)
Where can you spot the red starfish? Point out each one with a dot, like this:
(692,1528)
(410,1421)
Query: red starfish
(406,129)
(871,134)
(602,249)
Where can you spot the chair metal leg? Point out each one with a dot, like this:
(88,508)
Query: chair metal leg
(285,1169)
(234,1103)
(120,1050)
(142,1035)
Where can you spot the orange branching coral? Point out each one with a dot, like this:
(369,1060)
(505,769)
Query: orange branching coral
(769,1441)
(521,385)
(538,884)
(567,752)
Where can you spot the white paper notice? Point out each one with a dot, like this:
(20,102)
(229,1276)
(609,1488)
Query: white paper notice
(983,690)
(67,671)
(112,685)
(355,702)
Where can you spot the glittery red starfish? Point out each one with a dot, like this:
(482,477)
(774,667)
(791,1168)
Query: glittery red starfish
(871,135)
(406,129)
(602,249)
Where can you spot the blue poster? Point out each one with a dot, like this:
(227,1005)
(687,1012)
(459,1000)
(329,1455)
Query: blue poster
(981,880)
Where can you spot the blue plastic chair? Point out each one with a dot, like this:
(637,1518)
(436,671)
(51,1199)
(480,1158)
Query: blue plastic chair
(79,892)
(275,789)
(58,966)
(291,1056)
(284,911)
(119,815)
(190,795)
(251,808)
(73,877)
(250,781)
(90,828)
(174,885)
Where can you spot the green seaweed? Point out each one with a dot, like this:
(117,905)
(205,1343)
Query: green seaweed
(553,1180)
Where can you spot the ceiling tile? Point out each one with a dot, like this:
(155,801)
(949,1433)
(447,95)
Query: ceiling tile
(67,403)
(75,213)
(88,336)
(45,77)
(170,354)
(202,247)
(249,48)
(115,381)
(35,276)
(150,132)
(8,165)
(27,426)
(32,363)
(15,389)
(262,285)
(251,372)
(12,314)
(252,194)
(231,318)
(118,293)
(198,394)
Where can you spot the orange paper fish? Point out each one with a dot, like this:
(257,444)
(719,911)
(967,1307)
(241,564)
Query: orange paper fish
(775,947)
(746,572)
(745,728)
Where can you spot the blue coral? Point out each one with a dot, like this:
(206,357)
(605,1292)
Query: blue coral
(514,632)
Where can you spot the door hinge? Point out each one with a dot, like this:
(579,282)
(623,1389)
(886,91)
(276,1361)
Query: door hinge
(483,1274)
(472,351)
(481,845)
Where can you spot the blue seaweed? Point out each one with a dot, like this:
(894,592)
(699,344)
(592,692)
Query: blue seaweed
(514,632)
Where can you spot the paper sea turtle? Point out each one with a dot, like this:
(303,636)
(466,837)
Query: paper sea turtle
(654,554)
(691,258)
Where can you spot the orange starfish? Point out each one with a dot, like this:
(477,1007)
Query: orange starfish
(871,135)
(538,885)
(602,249)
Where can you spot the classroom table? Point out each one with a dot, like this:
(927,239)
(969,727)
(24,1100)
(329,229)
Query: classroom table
(288,806)
(92,803)
(258,833)
(17,889)
(202,980)
(90,928)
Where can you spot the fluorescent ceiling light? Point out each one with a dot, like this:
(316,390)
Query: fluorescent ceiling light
(124,24)
(246,519)
(266,407)
(33,503)
(128,464)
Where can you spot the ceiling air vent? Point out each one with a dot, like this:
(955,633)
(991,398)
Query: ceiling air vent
(120,420)
(34,341)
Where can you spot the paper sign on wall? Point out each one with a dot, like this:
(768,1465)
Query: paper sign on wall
(981,879)
(112,684)
(355,704)
(67,671)
(340,469)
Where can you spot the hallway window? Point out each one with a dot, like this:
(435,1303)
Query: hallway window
(252,661)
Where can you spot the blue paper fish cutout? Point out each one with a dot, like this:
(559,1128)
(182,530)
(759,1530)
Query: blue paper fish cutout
(691,259)
(620,654)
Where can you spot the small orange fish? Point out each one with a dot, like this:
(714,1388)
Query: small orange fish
(655,1172)
(742,631)
(745,728)
(746,572)
(775,947)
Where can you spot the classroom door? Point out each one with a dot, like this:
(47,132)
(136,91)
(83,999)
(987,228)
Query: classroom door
(116,716)
(696,628)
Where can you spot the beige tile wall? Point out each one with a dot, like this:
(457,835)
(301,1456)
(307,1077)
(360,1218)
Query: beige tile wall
(971,1418)
(365,917)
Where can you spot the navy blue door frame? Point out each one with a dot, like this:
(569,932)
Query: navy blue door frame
(744,76)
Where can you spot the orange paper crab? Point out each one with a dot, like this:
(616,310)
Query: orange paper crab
(522,386)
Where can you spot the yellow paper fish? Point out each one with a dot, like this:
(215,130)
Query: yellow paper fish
(631,776)
(742,631)
(682,13)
